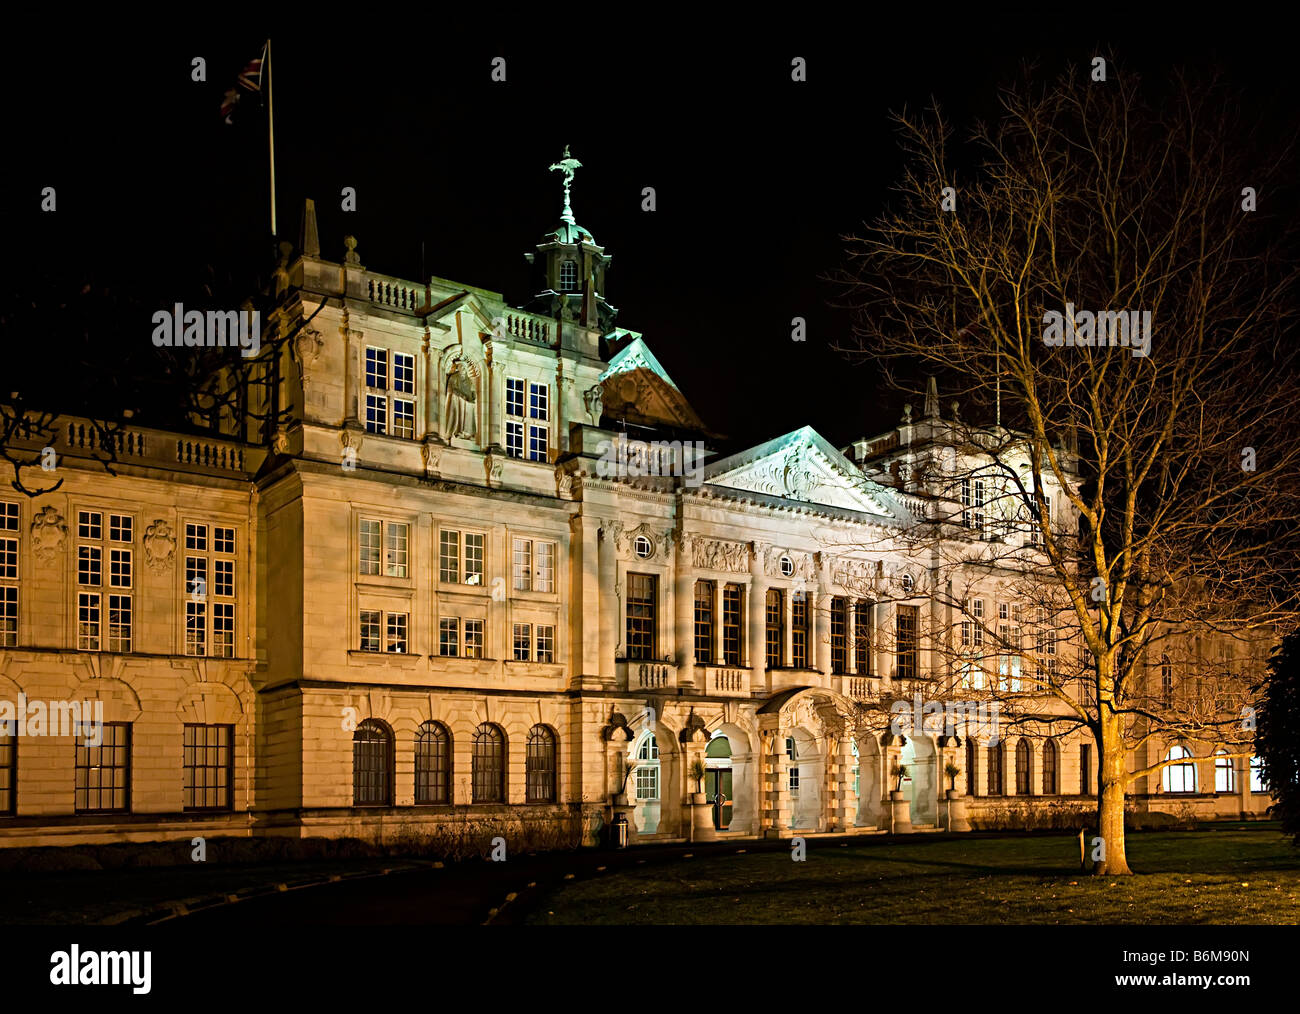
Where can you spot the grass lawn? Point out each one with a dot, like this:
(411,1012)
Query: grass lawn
(1238,876)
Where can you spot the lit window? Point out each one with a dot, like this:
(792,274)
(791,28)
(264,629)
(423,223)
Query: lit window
(1225,773)
(1257,782)
(208,765)
(568,276)
(473,638)
(1179,777)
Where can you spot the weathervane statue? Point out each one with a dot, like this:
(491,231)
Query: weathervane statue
(566,165)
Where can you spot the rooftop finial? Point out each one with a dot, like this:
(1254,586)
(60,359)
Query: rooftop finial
(567,165)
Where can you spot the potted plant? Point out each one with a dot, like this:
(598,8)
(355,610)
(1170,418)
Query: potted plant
(620,797)
(952,771)
(698,772)
(900,772)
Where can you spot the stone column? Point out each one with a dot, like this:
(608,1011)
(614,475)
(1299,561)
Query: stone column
(684,622)
(586,612)
(819,654)
(757,618)
(607,605)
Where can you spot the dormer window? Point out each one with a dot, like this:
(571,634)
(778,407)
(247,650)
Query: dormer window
(568,276)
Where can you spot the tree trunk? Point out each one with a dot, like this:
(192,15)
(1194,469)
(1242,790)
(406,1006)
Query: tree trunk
(1110,801)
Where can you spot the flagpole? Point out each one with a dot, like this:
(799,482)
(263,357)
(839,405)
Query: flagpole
(270,120)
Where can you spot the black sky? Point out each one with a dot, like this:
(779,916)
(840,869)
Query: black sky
(756,177)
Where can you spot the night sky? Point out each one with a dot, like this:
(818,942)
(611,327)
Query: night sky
(757,177)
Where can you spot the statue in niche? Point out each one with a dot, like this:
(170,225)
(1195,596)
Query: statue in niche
(461,397)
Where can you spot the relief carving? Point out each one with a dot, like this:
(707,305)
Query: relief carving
(159,546)
(48,532)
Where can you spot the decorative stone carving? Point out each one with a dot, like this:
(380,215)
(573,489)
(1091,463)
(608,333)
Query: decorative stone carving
(804,565)
(564,483)
(694,730)
(308,344)
(714,554)
(431,455)
(48,533)
(625,539)
(280,442)
(594,399)
(159,546)
(494,465)
(617,726)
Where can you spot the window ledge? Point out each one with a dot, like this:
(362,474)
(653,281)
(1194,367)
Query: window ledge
(403,659)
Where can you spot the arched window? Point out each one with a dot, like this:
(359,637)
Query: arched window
(372,764)
(996,755)
(789,747)
(1225,773)
(433,764)
(1023,762)
(540,765)
(1049,767)
(568,276)
(1257,783)
(972,768)
(489,764)
(856,766)
(647,768)
(1179,777)
(1166,681)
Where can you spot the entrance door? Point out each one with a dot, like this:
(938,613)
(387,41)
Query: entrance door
(717,789)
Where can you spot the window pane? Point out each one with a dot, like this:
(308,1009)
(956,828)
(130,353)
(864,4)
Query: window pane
(449,556)
(369,547)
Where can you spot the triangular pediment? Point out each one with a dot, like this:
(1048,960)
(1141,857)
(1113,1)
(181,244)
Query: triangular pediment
(636,388)
(804,467)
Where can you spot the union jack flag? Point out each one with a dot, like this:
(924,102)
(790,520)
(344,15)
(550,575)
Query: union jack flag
(249,80)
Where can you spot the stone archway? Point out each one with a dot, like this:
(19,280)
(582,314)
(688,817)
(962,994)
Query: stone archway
(806,730)
(870,788)
(744,767)
(922,784)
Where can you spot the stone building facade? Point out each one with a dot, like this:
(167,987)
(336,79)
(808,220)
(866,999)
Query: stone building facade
(482,570)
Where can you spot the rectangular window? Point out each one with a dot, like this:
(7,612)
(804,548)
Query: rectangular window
(376,413)
(196,537)
(732,629)
(196,627)
(839,636)
(119,623)
(209,767)
(8,766)
(223,578)
(473,638)
(996,755)
(8,616)
(403,373)
(703,622)
(368,542)
(775,622)
(642,614)
(395,542)
(370,621)
(539,409)
(223,629)
(449,557)
(544,572)
(1085,769)
(88,621)
(223,539)
(545,643)
(514,417)
(792,775)
(403,418)
(196,577)
(377,369)
(862,637)
(395,640)
(523,641)
(393,536)
(533,565)
(103,772)
(473,558)
(449,637)
(109,541)
(906,642)
(799,630)
(522,565)
(379,384)
(514,439)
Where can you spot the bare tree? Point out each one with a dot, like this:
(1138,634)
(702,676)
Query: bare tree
(1177,462)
